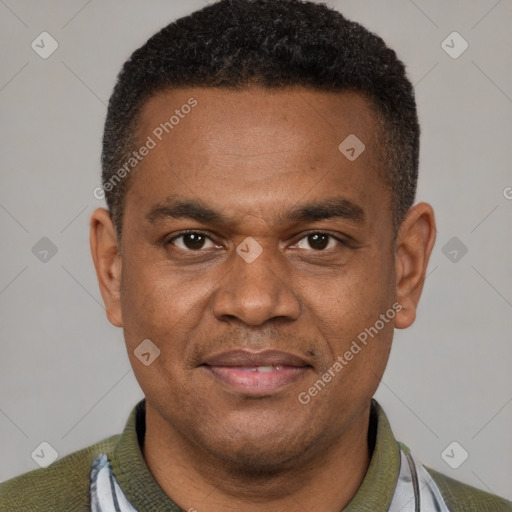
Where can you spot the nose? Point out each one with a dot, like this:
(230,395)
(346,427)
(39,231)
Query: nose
(255,290)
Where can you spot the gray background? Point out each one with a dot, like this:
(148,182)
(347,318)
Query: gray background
(65,377)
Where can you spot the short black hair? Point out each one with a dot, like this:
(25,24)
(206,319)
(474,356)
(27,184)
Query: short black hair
(272,44)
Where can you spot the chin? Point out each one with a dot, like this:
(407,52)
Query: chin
(257,449)
(257,461)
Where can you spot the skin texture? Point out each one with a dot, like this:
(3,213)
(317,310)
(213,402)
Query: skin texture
(252,155)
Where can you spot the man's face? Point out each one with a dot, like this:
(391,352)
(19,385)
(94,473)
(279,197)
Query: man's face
(254,277)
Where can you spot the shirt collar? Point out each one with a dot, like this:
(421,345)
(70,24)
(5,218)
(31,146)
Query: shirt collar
(140,487)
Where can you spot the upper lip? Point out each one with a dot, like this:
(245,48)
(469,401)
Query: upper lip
(244,358)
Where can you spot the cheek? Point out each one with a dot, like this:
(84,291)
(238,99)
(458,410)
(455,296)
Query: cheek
(167,306)
(157,298)
(352,300)
(159,309)
(354,314)
(359,341)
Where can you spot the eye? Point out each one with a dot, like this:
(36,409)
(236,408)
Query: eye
(194,241)
(191,241)
(318,241)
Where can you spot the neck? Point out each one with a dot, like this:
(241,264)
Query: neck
(323,480)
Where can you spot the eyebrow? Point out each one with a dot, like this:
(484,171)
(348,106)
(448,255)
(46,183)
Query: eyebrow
(330,208)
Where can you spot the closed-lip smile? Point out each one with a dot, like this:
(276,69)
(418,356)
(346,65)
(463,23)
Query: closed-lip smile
(256,373)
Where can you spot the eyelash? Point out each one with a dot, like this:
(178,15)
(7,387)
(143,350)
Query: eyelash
(195,232)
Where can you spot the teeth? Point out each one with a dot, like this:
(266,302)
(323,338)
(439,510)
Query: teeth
(266,369)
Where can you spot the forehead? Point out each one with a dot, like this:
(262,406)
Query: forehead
(225,119)
(257,150)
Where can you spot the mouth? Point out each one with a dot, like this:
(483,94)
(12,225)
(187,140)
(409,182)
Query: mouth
(257,373)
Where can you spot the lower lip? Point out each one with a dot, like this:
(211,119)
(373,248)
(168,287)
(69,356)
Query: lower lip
(256,383)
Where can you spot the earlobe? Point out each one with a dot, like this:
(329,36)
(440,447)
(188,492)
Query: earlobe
(107,262)
(415,240)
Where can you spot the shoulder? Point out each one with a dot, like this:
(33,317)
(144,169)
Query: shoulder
(61,487)
(460,497)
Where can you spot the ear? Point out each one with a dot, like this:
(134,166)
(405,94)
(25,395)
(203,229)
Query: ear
(415,240)
(107,261)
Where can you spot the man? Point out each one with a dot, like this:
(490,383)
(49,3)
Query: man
(260,246)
